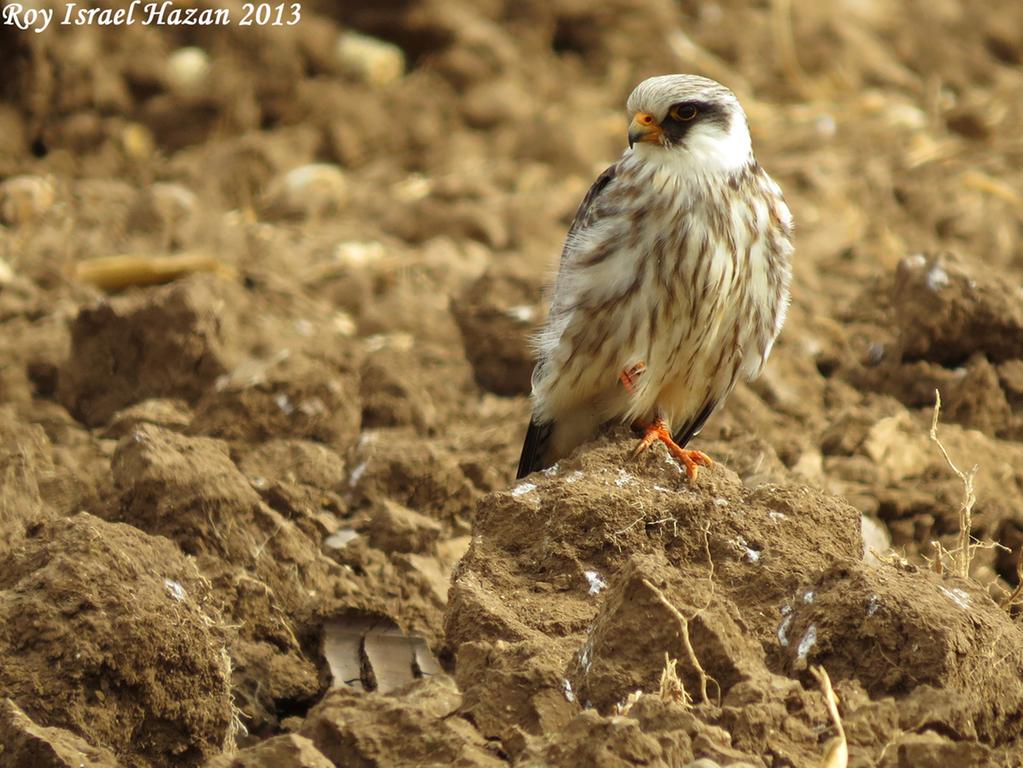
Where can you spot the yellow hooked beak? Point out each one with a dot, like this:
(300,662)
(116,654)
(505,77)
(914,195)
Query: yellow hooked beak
(644,128)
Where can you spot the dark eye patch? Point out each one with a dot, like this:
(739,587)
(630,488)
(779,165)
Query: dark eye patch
(681,118)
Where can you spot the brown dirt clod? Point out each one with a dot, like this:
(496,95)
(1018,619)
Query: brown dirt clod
(165,344)
(89,611)
(272,506)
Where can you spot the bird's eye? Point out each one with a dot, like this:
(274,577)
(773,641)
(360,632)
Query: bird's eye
(684,112)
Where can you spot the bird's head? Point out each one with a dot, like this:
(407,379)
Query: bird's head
(691,118)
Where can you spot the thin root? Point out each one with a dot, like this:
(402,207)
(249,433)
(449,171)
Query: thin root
(687,643)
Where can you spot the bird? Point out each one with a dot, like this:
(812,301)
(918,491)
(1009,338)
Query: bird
(673,283)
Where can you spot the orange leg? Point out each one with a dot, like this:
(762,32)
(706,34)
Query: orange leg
(628,377)
(691,460)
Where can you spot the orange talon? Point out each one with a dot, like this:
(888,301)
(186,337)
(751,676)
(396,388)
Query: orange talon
(628,377)
(691,460)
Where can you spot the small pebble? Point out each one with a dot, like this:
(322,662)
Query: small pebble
(24,198)
(188,69)
(370,60)
(309,190)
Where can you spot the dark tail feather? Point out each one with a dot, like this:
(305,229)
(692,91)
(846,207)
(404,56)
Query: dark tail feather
(688,431)
(534,448)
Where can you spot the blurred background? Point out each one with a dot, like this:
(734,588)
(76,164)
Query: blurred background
(358,215)
(407,169)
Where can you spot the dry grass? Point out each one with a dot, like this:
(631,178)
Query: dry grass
(115,273)
(671,687)
(836,752)
(957,560)
(1015,597)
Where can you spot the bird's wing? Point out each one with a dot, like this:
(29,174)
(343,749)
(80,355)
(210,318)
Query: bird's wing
(582,216)
(538,435)
(586,215)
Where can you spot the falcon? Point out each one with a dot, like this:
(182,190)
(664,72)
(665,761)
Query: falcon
(673,283)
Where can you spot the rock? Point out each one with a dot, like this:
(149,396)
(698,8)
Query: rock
(946,313)
(414,726)
(286,751)
(164,343)
(430,481)
(28,744)
(496,315)
(312,190)
(564,600)
(899,631)
(25,198)
(88,610)
(291,395)
(372,61)
(295,461)
(188,70)
(394,528)
(189,490)
(933,750)
(419,384)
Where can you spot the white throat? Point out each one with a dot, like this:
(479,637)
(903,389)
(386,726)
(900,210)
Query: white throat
(705,152)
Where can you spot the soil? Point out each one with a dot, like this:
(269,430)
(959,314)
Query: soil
(260,510)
